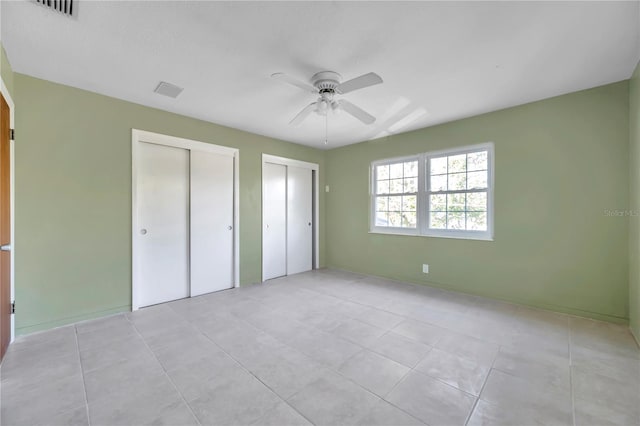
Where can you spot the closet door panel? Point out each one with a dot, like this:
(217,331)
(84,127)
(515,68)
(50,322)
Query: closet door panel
(299,220)
(274,205)
(163,218)
(211,222)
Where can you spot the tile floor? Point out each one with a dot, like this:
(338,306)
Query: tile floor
(326,348)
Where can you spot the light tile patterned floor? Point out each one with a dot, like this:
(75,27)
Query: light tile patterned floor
(326,347)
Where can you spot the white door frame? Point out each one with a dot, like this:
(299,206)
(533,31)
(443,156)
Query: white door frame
(138,136)
(267,158)
(12,196)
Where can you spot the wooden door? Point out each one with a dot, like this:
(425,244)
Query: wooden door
(5,229)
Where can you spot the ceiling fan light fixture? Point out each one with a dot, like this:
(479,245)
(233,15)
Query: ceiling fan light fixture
(327,84)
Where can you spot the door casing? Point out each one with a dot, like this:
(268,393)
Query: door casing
(12,109)
(138,136)
(315,168)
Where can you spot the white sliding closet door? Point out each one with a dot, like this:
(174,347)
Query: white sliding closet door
(211,222)
(299,219)
(274,204)
(163,219)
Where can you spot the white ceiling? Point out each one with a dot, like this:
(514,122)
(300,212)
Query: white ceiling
(439,61)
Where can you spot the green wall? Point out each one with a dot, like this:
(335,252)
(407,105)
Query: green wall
(559,164)
(73,198)
(634,200)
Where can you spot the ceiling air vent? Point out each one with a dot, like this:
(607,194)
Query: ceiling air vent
(66,7)
(168,89)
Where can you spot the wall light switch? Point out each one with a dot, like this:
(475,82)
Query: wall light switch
(425,268)
(326,188)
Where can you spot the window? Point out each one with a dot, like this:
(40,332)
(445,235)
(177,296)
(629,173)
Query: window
(396,199)
(443,194)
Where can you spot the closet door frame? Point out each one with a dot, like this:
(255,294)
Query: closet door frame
(142,136)
(315,170)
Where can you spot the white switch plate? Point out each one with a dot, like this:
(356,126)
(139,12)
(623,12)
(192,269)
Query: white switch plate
(326,188)
(425,268)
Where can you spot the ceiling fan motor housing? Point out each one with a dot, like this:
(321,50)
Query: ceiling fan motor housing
(326,81)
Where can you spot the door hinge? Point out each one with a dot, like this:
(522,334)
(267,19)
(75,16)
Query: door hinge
(13,307)
(12,134)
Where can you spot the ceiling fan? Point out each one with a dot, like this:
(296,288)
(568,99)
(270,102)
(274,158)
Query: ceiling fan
(327,84)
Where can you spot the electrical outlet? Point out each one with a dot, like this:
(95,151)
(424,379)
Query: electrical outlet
(425,268)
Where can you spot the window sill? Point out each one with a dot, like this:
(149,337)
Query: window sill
(415,234)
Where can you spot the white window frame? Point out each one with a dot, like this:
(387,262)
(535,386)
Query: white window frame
(372,191)
(423,211)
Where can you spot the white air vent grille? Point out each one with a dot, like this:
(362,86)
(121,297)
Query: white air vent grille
(168,89)
(65,7)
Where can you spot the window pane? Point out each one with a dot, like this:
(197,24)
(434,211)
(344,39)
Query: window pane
(456,202)
(383,187)
(438,202)
(382,204)
(477,161)
(395,171)
(395,219)
(438,220)
(395,186)
(382,219)
(411,185)
(476,180)
(455,220)
(477,201)
(409,203)
(438,166)
(382,172)
(457,163)
(477,221)
(411,169)
(457,181)
(409,220)
(395,204)
(439,183)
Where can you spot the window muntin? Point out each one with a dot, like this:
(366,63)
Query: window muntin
(449,193)
(396,194)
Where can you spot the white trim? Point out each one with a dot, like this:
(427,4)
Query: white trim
(138,136)
(176,142)
(262,219)
(373,229)
(460,149)
(236,219)
(395,160)
(422,228)
(12,196)
(267,158)
(463,234)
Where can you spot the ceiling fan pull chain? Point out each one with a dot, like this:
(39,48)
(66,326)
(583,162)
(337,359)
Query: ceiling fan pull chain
(326,128)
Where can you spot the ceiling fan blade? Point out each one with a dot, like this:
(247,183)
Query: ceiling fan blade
(294,81)
(357,112)
(361,82)
(298,119)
